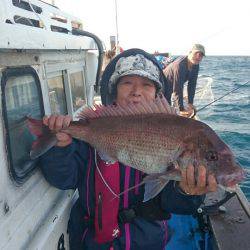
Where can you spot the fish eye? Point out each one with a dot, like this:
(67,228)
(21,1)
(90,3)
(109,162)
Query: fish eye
(211,156)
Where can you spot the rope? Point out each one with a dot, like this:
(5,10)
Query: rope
(106,184)
(37,14)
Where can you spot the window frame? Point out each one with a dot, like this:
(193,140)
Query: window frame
(6,74)
(52,70)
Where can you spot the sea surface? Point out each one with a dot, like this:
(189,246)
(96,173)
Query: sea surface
(230,116)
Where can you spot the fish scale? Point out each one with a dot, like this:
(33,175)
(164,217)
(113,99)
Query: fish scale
(136,136)
(150,142)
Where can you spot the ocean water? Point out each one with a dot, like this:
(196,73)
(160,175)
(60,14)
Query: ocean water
(230,116)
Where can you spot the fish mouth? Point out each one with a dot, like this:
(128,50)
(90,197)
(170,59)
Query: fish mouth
(230,180)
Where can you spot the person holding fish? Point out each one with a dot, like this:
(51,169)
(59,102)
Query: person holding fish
(184,69)
(133,161)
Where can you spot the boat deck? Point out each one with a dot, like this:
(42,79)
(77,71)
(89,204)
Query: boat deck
(231,230)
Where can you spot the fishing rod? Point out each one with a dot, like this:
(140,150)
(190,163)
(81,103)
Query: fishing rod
(198,110)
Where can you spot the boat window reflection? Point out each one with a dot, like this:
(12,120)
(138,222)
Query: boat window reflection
(57,96)
(78,92)
(22,98)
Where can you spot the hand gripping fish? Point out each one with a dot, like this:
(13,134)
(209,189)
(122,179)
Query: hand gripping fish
(149,137)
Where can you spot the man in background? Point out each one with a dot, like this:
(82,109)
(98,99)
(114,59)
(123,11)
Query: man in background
(184,69)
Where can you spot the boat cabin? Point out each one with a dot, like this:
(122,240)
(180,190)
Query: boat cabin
(47,66)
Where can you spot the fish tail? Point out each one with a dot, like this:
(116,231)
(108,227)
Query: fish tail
(45,138)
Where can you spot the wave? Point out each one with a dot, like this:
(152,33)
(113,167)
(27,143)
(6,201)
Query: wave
(229,116)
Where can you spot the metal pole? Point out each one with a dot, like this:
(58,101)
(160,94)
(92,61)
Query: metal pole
(116,23)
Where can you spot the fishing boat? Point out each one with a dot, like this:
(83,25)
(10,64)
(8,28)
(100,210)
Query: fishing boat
(49,65)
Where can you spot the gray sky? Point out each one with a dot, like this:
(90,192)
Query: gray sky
(168,26)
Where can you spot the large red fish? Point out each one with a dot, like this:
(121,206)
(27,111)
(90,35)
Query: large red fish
(150,138)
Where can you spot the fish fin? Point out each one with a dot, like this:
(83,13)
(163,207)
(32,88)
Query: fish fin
(172,174)
(45,138)
(129,189)
(42,145)
(154,187)
(35,126)
(107,158)
(156,182)
(159,105)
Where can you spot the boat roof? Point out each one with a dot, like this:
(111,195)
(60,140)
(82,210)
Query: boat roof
(35,24)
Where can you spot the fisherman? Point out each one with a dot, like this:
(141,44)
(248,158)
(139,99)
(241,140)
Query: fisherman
(162,60)
(177,73)
(100,219)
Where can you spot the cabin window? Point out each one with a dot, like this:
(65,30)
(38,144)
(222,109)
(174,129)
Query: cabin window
(57,96)
(78,92)
(27,6)
(27,21)
(21,98)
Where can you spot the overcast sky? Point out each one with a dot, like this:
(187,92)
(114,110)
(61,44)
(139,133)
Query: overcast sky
(223,26)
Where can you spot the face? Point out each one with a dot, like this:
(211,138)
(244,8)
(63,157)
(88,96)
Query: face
(134,89)
(195,57)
